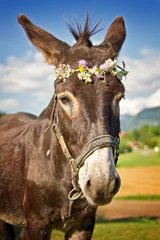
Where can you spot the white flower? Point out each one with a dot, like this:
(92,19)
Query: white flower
(86,76)
(63,71)
(80,76)
(89,79)
(111,64)
(93,70)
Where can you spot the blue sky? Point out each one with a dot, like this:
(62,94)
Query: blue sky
(26,82)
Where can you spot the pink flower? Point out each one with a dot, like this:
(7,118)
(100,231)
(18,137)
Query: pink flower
(100,76)
(82,63)
(104,67)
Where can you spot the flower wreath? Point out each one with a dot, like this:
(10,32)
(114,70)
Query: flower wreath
(85,72)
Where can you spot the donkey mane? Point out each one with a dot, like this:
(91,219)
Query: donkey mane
(82,34)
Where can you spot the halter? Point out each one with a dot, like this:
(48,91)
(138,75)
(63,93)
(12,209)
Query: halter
(94,144)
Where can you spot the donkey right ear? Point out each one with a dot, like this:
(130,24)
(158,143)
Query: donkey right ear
(116,34)
(51,47)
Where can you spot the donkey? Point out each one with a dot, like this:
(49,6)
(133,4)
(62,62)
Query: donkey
(56,169)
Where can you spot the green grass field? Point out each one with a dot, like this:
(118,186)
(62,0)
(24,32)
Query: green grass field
(137,159)
(139,197)
(133,230)
(143,229)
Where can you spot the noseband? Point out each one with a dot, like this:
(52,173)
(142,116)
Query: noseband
(94,144)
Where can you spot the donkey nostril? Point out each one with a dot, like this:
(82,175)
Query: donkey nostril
(116,185)
(88,183)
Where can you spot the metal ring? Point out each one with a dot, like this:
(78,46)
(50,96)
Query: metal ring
(72,192)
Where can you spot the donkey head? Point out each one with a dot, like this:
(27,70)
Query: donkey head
(86,111)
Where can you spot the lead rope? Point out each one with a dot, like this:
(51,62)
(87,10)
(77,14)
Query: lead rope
(74,194)
(76,190)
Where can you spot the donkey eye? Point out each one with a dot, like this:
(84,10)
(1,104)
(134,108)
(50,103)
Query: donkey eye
(64,100)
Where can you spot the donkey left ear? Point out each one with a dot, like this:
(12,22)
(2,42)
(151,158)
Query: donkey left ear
(116,34)
(51,47)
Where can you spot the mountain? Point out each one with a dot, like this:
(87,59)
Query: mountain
(149,116)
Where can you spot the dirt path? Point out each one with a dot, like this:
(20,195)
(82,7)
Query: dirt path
(139,181)
(135,181)
(129,209)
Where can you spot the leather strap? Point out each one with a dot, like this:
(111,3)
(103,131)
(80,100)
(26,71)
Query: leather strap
(96,143)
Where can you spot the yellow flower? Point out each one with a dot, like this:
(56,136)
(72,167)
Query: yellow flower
(81,69)
(113,73)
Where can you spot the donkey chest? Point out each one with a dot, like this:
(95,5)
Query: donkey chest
(75,215)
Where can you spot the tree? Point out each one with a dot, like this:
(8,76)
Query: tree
(2,113)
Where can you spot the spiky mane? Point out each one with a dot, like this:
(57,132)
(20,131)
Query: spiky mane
(83,33)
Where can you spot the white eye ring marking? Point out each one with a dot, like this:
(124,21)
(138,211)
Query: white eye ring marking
(115,104)
(69,103)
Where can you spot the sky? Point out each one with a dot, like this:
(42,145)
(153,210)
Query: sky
(27,82)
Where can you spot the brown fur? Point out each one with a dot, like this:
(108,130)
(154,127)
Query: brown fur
(33,185)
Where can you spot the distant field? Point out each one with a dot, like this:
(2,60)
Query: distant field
(144,229)
(138,159)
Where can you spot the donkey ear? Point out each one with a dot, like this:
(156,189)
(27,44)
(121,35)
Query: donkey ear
(50,46)
(116,34)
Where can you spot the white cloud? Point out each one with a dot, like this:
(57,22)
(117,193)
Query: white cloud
(135,105)
(97,42)
(154,99)
(10,104)
(143,82)
(131,106)
(144,73)
(29,75)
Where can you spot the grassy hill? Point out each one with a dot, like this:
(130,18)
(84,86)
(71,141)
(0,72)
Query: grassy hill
(138,159)
(150,116)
